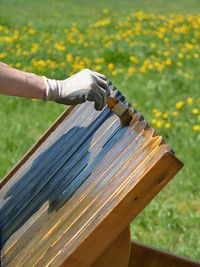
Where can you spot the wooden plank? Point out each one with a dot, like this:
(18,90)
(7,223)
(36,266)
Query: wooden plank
(53,154)
(106,148)
(13,216)
(118,253)
(79,188)
(49,190)
(143,256)
(107,229)
(89,206)
(63,182)
(71,115)
(70,123)
(100,144)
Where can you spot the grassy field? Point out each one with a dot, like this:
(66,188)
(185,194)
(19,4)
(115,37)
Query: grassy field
(152,54)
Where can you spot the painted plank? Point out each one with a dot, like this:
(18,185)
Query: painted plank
(71,195)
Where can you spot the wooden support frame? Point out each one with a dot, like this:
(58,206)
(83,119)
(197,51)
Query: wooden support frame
(118,253)
(126,253)
(146,256)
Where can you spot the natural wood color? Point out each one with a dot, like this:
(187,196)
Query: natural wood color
(108,230)
(146,256)
(19,210)
(118,253)
(52,216)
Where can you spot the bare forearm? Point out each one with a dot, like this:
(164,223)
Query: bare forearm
(18,83)
(80,87)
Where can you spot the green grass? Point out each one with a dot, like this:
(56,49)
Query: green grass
(171,221)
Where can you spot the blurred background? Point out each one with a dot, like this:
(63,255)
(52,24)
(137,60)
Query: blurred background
(151,52)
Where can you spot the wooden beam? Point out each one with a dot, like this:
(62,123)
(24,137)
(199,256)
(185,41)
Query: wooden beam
(118,253)
(145,256)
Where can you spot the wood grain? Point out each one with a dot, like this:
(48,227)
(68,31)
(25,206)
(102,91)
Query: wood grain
(82,182)
(142,256)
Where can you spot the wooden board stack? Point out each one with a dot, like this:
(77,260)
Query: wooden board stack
(80,186)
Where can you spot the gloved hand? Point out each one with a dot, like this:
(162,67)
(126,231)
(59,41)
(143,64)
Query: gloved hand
(82,86)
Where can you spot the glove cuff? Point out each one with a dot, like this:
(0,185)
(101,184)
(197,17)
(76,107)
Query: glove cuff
(52,90)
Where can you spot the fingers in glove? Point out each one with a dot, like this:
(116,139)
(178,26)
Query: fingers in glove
(100,75)
(97,98)
(102,92)
(103,84)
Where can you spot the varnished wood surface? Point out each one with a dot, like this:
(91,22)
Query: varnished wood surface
(79,188)
(118,253)
(146,256)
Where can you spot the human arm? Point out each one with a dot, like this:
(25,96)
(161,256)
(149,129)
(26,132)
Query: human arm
(19,83)
(82,86)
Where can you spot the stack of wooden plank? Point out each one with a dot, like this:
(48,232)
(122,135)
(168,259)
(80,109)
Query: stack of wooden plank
(79,187)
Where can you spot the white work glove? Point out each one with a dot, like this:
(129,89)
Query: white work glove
(82,86)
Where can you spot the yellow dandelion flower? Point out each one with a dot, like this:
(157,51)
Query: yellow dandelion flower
(3,55)
(167,125)
(179,64)
(18,64)
(62,64)
(179,72)
(47,41)
(190,101)
(196,127)
(152,45)
(133,59)
(97,68)
(160,35)
(159,124)
(143,69)
(175,113)
(180,55)
(179,105)
(25,53)
(31,31)
(166,115)
(154,110)
(188,76)
(99,60)
(166,53)
(110,66)
(102,22)
(8,39)
(105,11)
(69,58)
(146,62)
(151,67)
(35,48)
(60,47)
(158,114)
(114,73)
(195,111)
(120,70)
(153,121)
(168,61)
(166,40)
(131,70)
